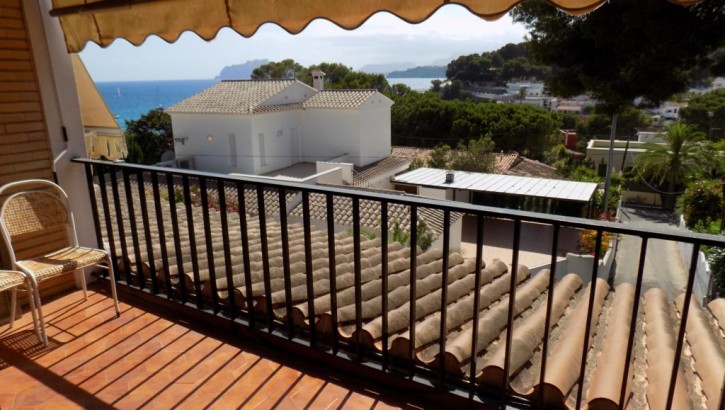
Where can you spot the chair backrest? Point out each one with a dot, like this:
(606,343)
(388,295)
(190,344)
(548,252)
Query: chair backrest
(35,221)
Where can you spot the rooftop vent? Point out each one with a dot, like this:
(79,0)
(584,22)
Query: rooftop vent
(450,176)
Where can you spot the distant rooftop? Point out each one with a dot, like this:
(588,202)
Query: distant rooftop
(232,97)
(502,184)
(250,97)
(348,99)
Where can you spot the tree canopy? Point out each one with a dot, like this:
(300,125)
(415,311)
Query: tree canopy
(508,63)
(149,137)
(337,76)
(698,109)
(669,166)
(425,119)
(626,49)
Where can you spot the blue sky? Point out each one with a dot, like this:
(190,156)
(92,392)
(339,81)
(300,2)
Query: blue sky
(384,38)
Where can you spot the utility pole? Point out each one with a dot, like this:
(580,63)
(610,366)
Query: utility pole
(710,114)
(610,164)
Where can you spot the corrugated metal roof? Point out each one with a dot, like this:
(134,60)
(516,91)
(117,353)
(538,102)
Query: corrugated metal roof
(504,184)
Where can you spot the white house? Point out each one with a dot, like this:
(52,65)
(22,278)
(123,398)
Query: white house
(259,126)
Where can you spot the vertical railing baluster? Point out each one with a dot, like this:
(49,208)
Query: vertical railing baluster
(107,217)
(192,241)
(121,229)
(549,306)
(683,324)
(633,321)
(285,262)
(357,273)
(177,236)
(162,232)
(590,313)
(331,254)
(241,199)
(308,267)
(94,205)
(262,213)
(223,219)
(384,273)
(211,268)
(147,232)
(512,305)
(134,228)
(476,306)
(444,298)
(413,281)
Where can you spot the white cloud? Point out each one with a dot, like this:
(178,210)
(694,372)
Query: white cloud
(384,38)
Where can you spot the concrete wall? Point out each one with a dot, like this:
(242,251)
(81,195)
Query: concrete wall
(703,277)
(432,192)
(214,155)
(277,130)
(374,130)
(330,133)
(345,169)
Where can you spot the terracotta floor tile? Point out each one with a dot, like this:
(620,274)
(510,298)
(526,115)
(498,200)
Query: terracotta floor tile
(140,360)
(7,400)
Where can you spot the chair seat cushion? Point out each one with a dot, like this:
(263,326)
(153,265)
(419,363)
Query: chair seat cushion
(10,279)
(62,261)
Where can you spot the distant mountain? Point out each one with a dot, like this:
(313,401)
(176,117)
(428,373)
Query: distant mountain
(428,71)
(385,68)
(240,71)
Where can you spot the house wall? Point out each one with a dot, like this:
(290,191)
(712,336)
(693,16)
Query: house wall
(329,133)
(215,155)
(38,99)
(278,130)
(374,130)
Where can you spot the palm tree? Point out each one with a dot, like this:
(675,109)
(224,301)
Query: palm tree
(668,166)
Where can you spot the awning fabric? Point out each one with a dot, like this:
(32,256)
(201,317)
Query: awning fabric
(102,21)
(94,110)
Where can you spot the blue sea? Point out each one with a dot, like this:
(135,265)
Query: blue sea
(128,100)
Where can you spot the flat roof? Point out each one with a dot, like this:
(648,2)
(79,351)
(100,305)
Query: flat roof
(501,184)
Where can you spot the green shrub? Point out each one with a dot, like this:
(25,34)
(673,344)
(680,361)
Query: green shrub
(702,201)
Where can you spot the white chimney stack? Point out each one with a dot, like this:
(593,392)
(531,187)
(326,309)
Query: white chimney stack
(318,80)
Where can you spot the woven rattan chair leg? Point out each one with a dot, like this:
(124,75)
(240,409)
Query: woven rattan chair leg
(13,306)
(112,278)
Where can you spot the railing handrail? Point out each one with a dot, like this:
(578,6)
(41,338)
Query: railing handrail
(672,234)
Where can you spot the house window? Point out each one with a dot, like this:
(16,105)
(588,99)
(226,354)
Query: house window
(232,150)
(262,150)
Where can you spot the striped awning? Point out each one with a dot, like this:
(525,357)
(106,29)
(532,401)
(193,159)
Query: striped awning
(103,21)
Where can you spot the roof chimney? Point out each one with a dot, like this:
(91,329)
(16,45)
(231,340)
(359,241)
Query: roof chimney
(318,80)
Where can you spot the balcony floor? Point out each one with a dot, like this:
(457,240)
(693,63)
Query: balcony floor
(145,361)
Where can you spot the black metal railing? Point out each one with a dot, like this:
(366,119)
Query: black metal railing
(170,235)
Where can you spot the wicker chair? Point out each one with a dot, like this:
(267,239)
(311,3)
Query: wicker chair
(12,281)
(39,232)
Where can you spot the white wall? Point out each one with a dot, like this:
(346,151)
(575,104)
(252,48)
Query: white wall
(295,93)
(432,192)
(345,170)
(214,156)
(278,148)
(61,108)
(328,133)
(374,130)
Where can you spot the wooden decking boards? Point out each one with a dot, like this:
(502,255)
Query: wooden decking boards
(702,368)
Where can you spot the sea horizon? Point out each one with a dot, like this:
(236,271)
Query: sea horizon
(128,100)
